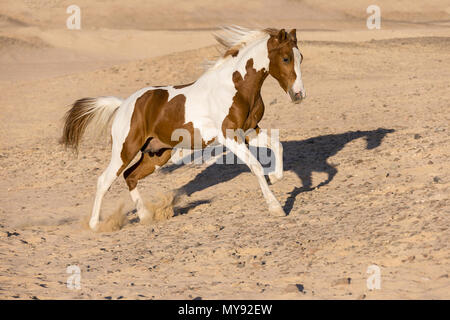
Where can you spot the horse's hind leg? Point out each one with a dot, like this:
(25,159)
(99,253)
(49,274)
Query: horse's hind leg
(103,183)
(145,166)
(114,169)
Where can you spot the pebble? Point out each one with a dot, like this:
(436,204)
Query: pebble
(294,288)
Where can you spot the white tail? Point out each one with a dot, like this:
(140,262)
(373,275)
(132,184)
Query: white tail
(98,111)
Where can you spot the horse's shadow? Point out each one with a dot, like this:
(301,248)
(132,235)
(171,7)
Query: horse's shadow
(300,156)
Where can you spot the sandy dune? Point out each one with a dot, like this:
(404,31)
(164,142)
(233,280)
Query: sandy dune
(373,135)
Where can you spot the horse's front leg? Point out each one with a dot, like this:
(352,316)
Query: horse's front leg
(260,138)
(243,153)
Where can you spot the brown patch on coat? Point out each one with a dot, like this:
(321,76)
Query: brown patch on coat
(231,52)
(181,86)
(154,145)
(145,166)
(154,116)
(153,121)
(247,108)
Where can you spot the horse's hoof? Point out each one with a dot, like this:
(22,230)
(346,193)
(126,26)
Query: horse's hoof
(144,215)
(274,177)
(277,211)
(94,226)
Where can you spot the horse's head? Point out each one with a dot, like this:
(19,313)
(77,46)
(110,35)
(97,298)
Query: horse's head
(285,59)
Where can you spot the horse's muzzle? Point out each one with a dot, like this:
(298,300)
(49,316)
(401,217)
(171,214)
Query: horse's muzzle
(296,97)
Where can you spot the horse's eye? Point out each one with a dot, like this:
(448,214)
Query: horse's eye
(286,60)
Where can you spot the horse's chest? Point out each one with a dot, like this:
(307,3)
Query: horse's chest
(216,111)
(243,115)
(255,115)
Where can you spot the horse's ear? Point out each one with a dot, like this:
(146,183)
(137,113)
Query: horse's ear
(281,35)
(293,34)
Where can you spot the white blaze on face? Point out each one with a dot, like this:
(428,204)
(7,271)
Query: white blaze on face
(298,84)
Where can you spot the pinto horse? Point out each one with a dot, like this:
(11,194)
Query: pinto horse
(226,97)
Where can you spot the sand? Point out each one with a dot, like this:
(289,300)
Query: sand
(366,156)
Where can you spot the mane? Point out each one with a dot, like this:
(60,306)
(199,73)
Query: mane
(233,38)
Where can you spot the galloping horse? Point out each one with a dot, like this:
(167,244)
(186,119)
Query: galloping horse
(226,97)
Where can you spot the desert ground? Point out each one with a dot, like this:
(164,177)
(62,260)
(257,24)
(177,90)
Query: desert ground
(366,156)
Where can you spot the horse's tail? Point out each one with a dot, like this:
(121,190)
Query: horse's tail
(98,111)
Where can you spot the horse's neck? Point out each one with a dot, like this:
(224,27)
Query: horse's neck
(256,52)
(252,65)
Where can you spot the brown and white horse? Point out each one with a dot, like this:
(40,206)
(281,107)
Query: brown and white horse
(226,97)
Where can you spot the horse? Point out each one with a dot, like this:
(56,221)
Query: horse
(226,97)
